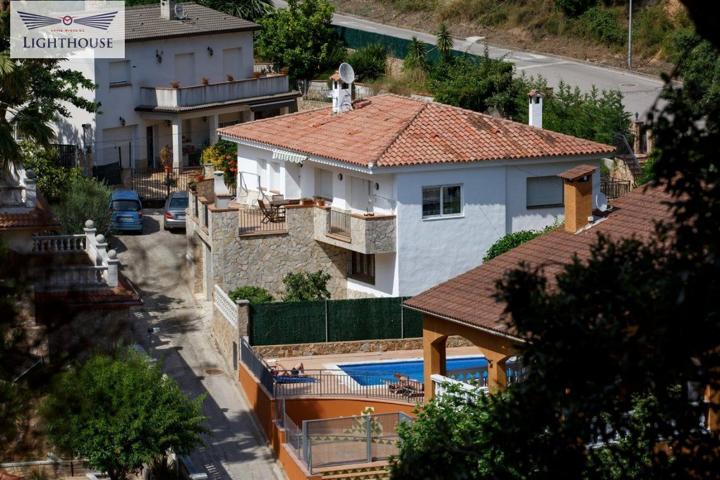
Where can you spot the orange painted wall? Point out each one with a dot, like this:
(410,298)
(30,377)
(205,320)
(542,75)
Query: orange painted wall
(300,409)
(261,403)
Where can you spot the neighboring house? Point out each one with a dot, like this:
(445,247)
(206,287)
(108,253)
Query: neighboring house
(466,306)
(180,80)
(414,193)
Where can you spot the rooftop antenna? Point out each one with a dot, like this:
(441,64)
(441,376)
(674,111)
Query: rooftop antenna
(342,88)
(180,12)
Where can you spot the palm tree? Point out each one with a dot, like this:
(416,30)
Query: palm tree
(416,57)
(444,42)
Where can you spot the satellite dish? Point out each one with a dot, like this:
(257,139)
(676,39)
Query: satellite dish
(179,12)
(347,74)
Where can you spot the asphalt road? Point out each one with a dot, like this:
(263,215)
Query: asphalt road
(234,449)
(639,91)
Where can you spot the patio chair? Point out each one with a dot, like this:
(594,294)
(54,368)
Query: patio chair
(270,214)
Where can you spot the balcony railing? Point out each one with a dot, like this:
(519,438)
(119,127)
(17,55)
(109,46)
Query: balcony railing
(169,97)
(254,222)
(339,224)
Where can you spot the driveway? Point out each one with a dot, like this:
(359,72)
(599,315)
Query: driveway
(235,448)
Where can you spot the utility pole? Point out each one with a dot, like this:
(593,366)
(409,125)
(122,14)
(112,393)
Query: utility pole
(629,55)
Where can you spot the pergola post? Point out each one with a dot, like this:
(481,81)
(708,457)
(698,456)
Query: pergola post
(434,356)
(497,371)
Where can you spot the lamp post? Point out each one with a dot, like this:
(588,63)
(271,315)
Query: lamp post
(629,54)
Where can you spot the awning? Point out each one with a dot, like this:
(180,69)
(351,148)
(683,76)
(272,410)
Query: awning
(279,154)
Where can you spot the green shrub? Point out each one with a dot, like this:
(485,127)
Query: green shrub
(369,62)
(512,240)
(86,199)
(304,286)
(417,56)
(602,25)
(251,294)
(413,5)
(651,29)
(574,8)
(52,181)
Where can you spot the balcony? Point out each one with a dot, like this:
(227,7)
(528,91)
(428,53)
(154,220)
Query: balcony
(215,93)
(360,233)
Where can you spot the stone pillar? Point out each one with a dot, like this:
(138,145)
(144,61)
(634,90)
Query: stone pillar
(497,371)
(434,356)
(177,142)
(243,318)
(213,121)
(30,189)
(113,265)
(100,250)
(90,232)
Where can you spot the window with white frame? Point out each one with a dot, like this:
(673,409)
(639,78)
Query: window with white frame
(120,72)
(442,201)
(544,192)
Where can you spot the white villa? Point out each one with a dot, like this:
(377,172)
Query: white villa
(186,72)
(407,194)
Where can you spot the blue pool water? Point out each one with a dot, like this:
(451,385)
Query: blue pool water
(377,373)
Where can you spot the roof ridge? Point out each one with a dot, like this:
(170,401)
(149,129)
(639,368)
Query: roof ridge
(402,130)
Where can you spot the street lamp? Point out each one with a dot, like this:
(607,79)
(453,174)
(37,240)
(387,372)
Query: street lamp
(629,55)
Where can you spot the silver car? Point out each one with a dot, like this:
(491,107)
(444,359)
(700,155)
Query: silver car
(174,212)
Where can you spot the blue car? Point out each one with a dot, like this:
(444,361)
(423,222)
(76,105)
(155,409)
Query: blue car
(126,211)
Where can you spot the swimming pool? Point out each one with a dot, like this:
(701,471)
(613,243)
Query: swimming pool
(377,373)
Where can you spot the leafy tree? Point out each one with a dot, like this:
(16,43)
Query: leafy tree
(223,156)
(369,62)
(86,199)
(33,93)
(416,57)
(121,413)
(53,181)
(444,42)
(619,350)
(477,84)
(510,241)
(300,38)
(251,294)
(305,286)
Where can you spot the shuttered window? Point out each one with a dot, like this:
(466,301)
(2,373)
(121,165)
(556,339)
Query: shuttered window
(544,192)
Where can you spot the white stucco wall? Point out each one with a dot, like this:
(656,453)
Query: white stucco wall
(385,285)
(431,251)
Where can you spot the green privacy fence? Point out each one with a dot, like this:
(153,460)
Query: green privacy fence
(332,321)
(398,47)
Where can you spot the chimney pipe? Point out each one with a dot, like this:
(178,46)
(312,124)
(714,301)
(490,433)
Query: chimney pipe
(167,9)
(578,196)
(535,108)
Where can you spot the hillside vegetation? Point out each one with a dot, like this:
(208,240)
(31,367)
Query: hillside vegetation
(597,29)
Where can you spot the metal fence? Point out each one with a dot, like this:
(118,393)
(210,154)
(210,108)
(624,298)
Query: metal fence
(156,184)
(339,223)
(614,188)
(345,440)
(332,321)
(252,221)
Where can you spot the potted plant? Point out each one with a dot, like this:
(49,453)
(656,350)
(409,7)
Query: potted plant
(193,183)
(166,158)
(205,81)
(319,201)
(230,78)
(175,84)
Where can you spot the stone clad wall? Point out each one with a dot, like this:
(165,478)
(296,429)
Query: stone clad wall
(226,333)
(374,234)
(264,260)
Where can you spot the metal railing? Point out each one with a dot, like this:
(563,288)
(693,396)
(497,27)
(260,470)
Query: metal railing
(615,188)
(257,366)
(59,243)
(339,223)
(346,440)
(337,383)
(253,221)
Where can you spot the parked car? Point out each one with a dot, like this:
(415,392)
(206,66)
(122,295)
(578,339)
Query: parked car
(126,211)
(174,212)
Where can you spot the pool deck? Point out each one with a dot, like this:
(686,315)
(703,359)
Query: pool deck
(331,361)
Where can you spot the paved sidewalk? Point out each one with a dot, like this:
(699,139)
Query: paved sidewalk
(235,449)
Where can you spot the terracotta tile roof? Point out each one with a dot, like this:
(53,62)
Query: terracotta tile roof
(390,130)
(468,298)
(40,218)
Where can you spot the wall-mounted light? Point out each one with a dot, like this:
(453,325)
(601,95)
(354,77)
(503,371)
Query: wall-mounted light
(168,123)
(122,121)
(210,51)
(377,186)
(340,176)
(158,56)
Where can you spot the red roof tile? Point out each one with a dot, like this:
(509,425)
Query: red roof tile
(40,218)
(390,130)
(468,298)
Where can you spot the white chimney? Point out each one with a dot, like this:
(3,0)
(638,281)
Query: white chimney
(167,9)
(535,108)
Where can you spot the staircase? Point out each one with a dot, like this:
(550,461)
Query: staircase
(365,471)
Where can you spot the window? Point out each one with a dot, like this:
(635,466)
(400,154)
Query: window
(544,192)
(441,200)
(120,72)
(362,267)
